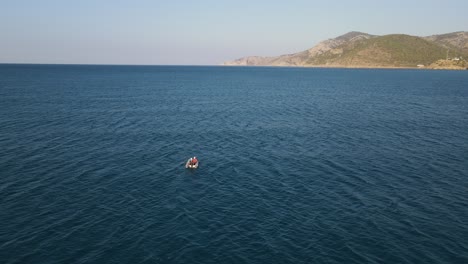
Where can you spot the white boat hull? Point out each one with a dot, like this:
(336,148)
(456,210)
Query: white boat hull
(189,166)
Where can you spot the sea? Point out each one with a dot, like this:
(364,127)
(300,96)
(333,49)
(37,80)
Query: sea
(297,165)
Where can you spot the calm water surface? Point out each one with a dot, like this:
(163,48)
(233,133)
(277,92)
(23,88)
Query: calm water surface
(296,165)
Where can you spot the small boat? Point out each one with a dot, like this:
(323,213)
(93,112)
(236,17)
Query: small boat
(189,164)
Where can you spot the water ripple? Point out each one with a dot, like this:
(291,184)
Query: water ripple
(297,165)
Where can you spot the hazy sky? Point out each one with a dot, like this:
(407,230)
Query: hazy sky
(204,31)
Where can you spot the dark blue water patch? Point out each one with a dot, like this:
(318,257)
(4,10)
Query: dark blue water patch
(296,165)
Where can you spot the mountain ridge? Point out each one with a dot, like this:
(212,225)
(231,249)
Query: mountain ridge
(358,49)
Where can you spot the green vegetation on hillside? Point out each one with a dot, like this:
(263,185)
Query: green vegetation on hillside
(409,51)
(385,51)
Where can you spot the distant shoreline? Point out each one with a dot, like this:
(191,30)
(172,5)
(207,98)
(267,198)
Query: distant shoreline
(345,67)
(361,50)
(235,66)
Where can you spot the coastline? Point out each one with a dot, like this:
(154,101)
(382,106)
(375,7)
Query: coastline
(238,65)
(350,67)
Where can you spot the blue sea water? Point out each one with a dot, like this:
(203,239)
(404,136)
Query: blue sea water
(296,165)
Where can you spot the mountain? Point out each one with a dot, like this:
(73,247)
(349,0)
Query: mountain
(357,49)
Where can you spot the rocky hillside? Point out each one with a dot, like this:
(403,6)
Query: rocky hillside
(456,40)
(356,49)
(453,64)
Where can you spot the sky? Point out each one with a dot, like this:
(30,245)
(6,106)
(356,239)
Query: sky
(203,32)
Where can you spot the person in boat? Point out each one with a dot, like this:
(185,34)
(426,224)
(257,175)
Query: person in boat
(193,161)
